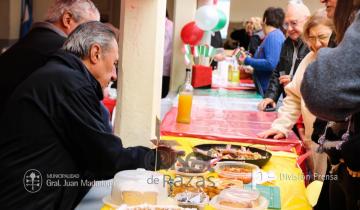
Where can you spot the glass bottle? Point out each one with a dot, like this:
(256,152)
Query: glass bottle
(185,100)
(235,76)
(230,70)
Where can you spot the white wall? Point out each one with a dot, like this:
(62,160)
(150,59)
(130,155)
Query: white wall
(242,10)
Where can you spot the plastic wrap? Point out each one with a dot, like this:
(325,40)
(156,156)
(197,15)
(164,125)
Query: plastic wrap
(226,125)
(237,194)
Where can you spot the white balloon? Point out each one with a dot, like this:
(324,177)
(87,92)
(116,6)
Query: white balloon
(206,17)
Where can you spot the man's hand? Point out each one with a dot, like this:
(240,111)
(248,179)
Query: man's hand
(168,156)
(275,134)
(267,101)
(284,80)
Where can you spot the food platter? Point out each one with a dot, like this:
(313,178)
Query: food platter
(235,170)
(226,152)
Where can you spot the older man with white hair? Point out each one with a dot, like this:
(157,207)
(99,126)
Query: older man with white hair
(32,51)
(53,140)
(292,52)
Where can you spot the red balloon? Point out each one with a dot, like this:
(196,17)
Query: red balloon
(191,34)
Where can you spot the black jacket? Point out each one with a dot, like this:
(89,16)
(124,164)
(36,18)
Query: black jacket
(27,55)
(53,124)
(275,88)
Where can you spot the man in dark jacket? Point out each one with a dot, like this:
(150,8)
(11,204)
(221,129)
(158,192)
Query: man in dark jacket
(52,134)
(32,51)
(292,53)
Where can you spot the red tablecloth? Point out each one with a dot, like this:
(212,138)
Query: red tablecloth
(226,125)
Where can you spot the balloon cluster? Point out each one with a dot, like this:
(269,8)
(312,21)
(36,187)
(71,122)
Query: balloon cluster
(207,19)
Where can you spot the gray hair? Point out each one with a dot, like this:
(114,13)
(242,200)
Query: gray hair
(87,34)
(80,10)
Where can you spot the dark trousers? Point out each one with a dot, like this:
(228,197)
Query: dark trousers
(345,191)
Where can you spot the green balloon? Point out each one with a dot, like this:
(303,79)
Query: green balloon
(222,21)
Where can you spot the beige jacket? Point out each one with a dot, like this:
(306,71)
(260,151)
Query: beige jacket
(294,105)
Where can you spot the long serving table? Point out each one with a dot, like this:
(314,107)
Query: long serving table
(228,114)
(231,117)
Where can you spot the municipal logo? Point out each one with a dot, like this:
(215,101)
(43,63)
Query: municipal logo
(32,180)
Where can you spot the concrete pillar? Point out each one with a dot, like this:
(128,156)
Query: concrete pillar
(142,29)
(184,12)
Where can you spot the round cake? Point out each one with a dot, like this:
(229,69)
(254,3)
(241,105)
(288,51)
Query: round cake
(136,187)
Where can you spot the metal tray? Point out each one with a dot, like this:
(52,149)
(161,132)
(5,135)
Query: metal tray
(205,147)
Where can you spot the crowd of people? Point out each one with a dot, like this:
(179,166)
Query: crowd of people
(318,104)
(52,118)
(320,63)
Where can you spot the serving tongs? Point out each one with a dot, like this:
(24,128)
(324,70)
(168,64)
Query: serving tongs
(214,154)
(216,157)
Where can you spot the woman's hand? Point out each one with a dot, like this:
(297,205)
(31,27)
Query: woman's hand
(242,57)
(248,69)
(275,134)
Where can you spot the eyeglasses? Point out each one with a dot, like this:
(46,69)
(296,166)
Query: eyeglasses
(292,23)
(321,38)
